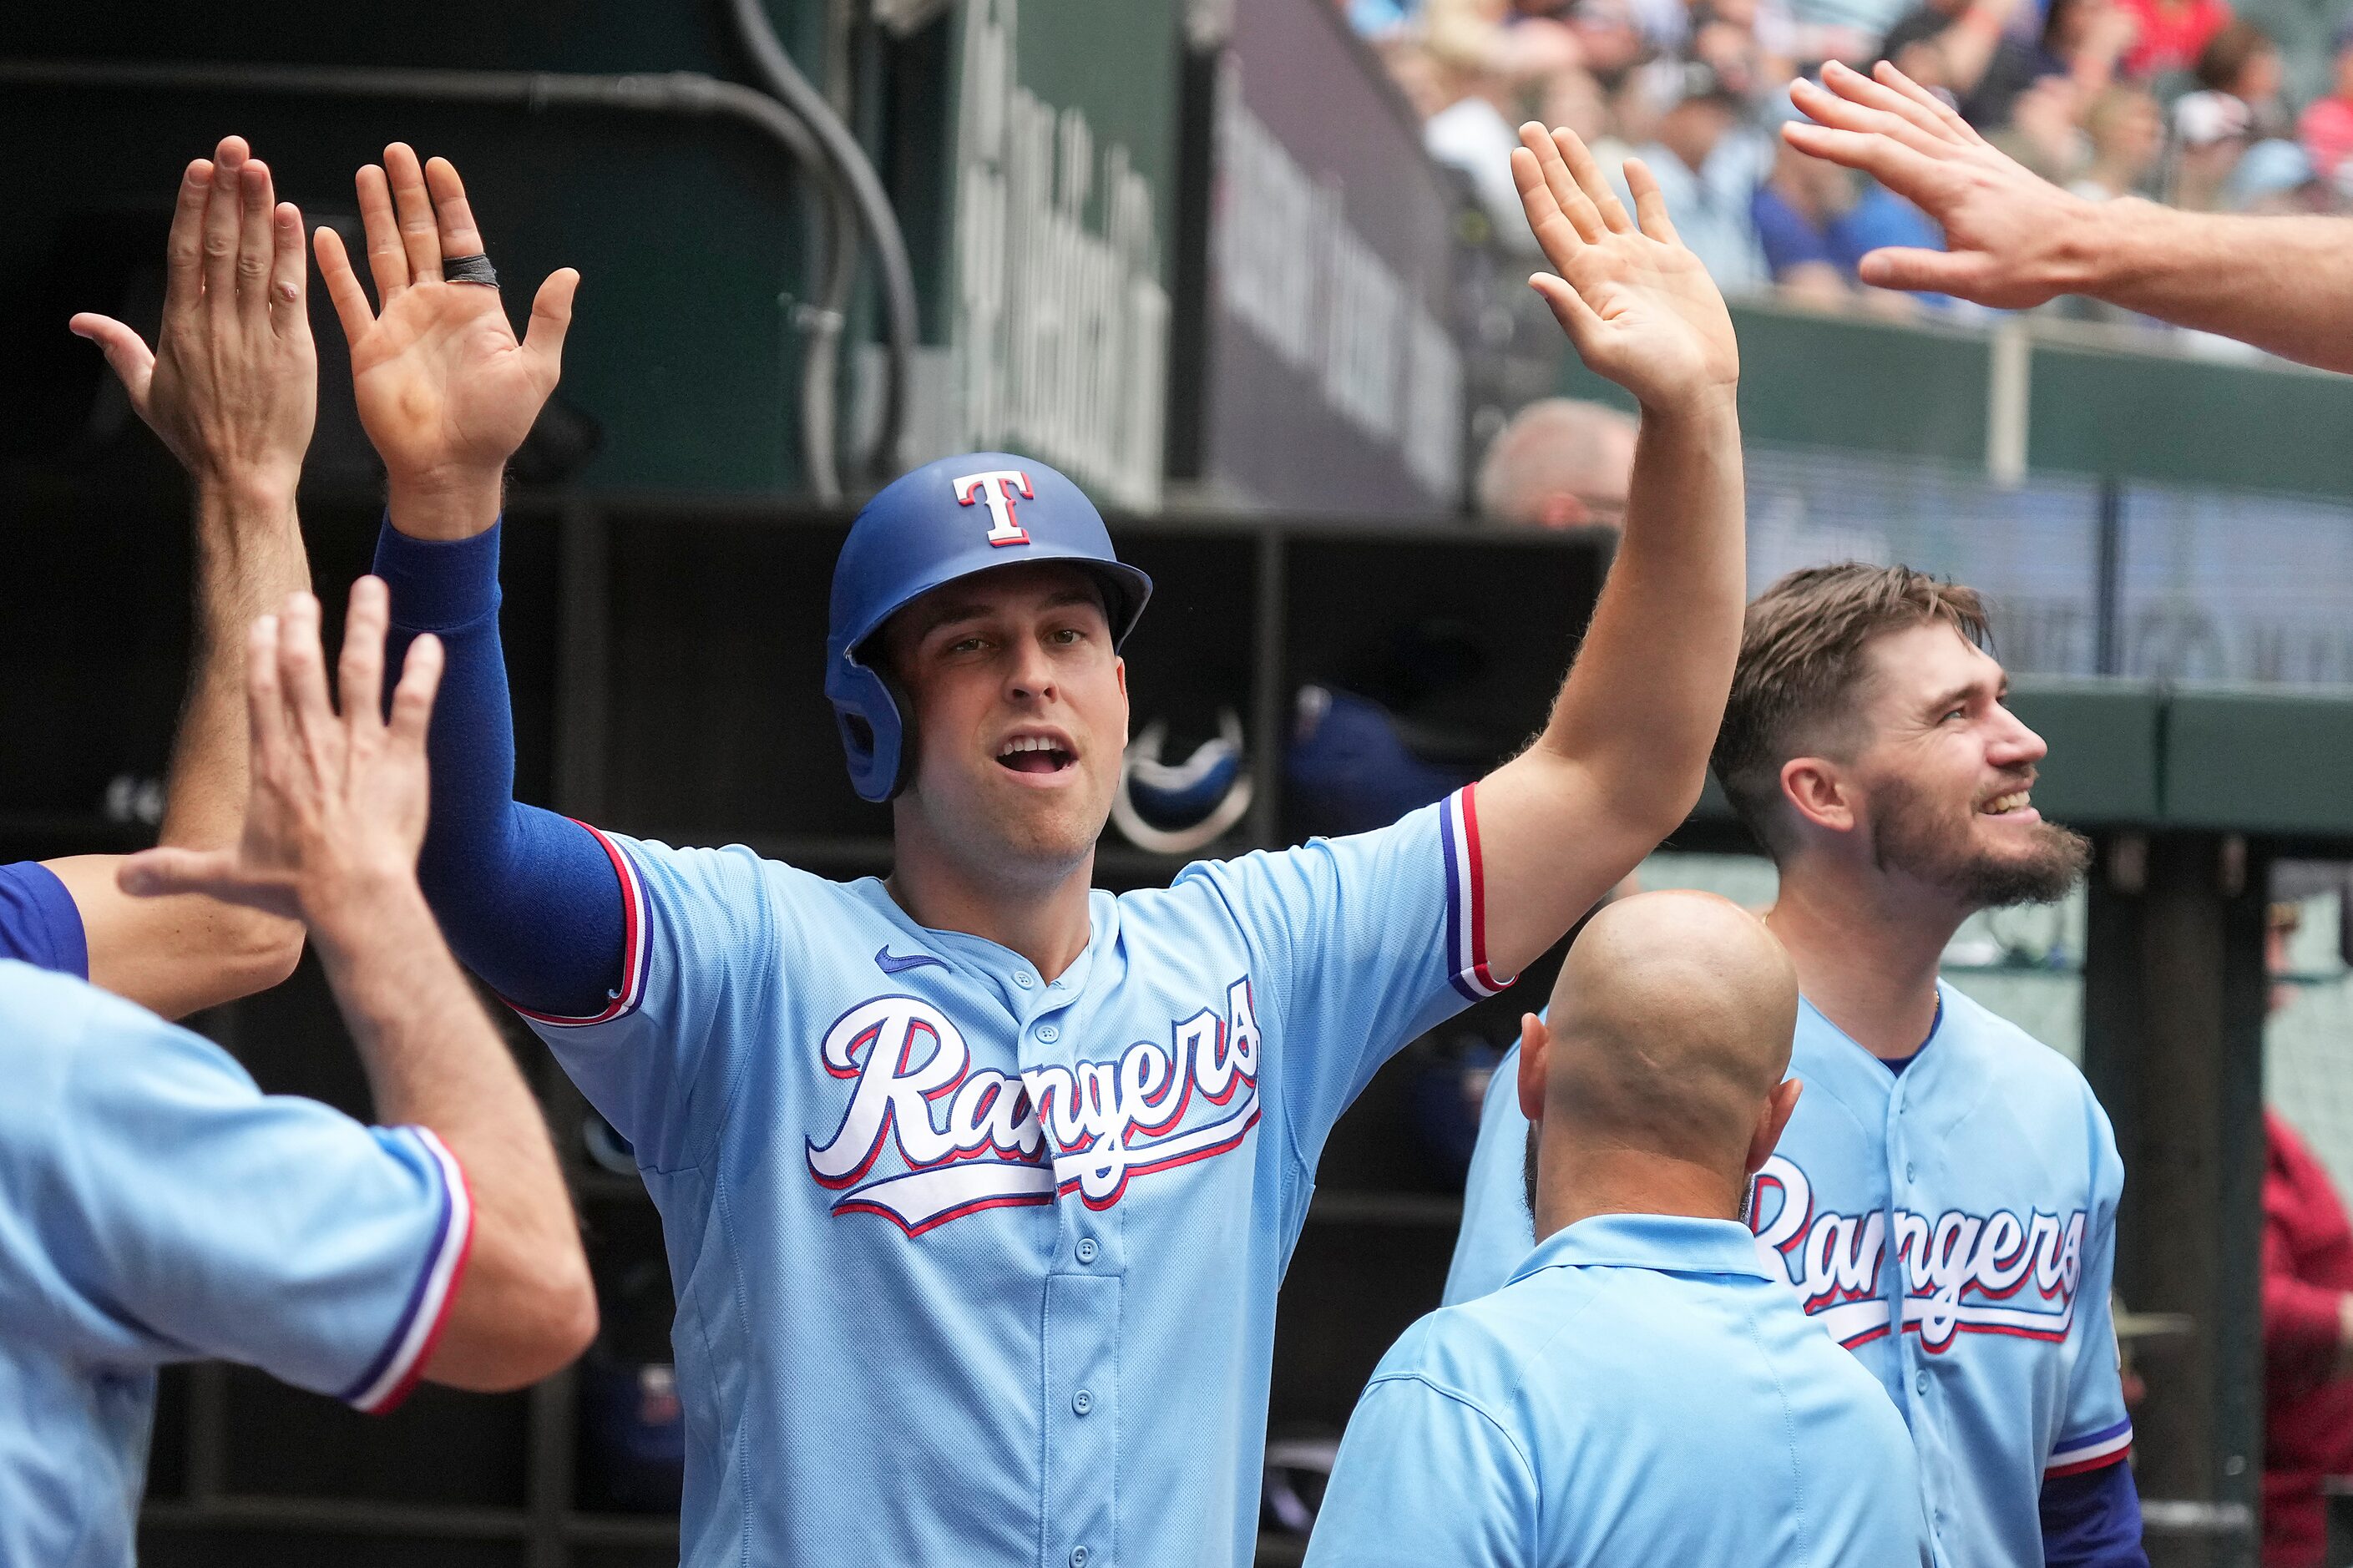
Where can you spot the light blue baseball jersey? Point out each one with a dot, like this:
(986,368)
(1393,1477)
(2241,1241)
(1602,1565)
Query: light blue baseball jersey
(1954,1226)
(1643,1391)
(155,1207)
(980,1268)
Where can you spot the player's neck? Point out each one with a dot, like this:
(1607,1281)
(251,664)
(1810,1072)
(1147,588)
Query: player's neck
(1575,1184)
(1866,948)
(1044,919)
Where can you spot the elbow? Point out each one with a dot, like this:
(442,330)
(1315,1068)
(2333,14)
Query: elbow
(267,949)
(554,1330)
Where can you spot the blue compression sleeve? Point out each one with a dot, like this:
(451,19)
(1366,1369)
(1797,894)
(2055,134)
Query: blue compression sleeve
(2092,1519)
(529,900)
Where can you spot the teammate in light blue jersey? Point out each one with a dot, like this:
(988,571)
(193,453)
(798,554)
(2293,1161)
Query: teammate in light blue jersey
(1944,1201)
(155,1207)
(1643,1390)
(977,1184)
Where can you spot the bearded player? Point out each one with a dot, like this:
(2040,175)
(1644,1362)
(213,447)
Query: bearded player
(977,1184)
(1944,1199)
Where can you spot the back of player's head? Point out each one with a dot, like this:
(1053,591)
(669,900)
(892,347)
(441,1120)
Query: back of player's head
(1671,1027)
(1800,674)
(1559,451)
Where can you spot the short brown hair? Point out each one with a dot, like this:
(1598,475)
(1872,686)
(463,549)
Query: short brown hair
(1801,660)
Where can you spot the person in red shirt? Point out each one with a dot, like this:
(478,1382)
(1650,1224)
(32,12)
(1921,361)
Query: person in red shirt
(2308,1331)
(2326,128)
(2172,34)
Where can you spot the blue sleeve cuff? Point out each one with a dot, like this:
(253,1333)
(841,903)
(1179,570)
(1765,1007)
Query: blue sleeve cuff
(439,584)
(39,922)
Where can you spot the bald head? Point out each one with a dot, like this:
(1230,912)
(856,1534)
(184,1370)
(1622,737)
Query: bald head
(1664,1052)
(1559,462)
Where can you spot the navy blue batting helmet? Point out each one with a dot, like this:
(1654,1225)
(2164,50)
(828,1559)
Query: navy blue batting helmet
(943,521)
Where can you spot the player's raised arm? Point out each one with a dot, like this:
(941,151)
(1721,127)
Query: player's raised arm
(2014,240)
(529,900)
(1621,760)
(230,386)
(331,837)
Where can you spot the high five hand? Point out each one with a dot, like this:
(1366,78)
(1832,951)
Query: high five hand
(1639,308)
(445,390)
(232,383)
(337,808)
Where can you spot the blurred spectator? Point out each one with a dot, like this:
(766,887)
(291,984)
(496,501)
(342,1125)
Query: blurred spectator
(1495,39)
(1708,161)
(2042,132)
(2276,179)
(1968,49)
(1559,463)
(2307,1297)
(2125,129)
(2209,136)
(2242,60)
(1816,221)
(1471,124)
(2173,33)
(2326,128)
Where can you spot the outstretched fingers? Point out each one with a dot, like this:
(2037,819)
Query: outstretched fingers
(257,236)
(359,672)
(342,285)
(288,276)
(162,872)
(454,214)
(1586,170)
(551,318)
(1903,170)
(224,208)
(388,260)
(302,676)
(184,253)
(420,231)
(1841,112)
(1650,202)
(412,699)
(265,708)
(127,353)
(1566,194)
(1945,115)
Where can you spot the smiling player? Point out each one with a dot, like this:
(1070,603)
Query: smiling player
(979,1183)
(1944,1199)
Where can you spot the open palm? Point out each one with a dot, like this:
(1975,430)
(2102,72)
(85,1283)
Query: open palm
(1637,304)
(445,389)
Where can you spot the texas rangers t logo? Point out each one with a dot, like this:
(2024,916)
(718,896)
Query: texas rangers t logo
(1004,527)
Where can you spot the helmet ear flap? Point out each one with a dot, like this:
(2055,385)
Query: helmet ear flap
(903,773)
(866,709)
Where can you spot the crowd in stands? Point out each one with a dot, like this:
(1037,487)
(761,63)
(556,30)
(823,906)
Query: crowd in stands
(2177,100)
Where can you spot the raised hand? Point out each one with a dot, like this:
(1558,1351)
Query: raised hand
(1639,307)
(2009,233)
(337,808)
(446,391)
(232,383)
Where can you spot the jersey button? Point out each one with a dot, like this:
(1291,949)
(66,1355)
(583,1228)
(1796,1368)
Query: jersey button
(1078,1557)
(1086,1249)
(1921,1381)
(1907,1171)
(1083,1402)
(1048,1033)
(1024,979)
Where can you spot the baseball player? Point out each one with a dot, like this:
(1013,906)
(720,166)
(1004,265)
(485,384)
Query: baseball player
(230,386)
(155,1207)
(1944,1201)
(1643,1390)
(979,1183)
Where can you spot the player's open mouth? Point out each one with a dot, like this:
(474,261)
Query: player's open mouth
(2003,804)
(1035,754)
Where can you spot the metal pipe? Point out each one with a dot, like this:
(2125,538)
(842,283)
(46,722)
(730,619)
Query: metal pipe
(868,204)
(678,94)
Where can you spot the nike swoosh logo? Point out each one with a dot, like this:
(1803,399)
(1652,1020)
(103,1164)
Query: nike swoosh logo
(890,962)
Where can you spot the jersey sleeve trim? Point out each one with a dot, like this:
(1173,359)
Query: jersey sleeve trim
(2104,1447)
(634,924)
(1466,897)
(399,1365)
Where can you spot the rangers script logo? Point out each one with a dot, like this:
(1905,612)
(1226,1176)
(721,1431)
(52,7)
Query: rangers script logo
(970,1139)
(1962,1273)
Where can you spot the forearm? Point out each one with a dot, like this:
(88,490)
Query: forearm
(434,1060)
(529,901)
(2285,284)
(1639,713)
(250,557)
